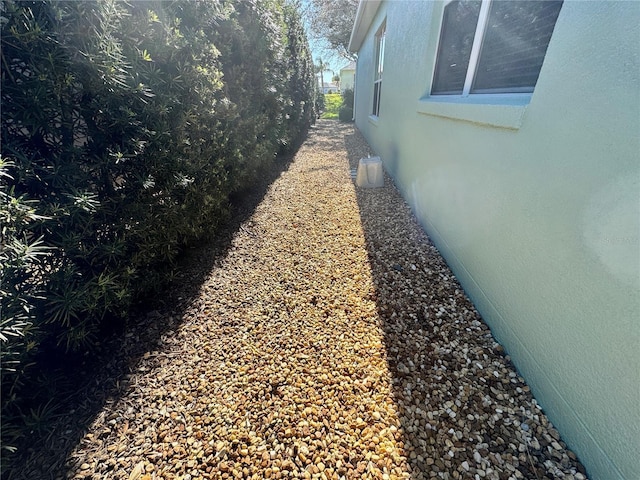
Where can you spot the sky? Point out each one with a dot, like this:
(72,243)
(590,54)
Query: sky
(334,62)
(320,49)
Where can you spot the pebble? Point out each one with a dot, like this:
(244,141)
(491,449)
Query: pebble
(330,341)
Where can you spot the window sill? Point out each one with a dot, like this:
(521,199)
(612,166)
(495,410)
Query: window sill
(499,111)
(374,120)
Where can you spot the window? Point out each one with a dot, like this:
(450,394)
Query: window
(489,46)
(377,80)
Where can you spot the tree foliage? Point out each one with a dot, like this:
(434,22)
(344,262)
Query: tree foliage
(320,68)
(125,128)
(333,21)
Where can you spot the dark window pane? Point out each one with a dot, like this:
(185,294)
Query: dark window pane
(514,45)
(456,39)
(377,87)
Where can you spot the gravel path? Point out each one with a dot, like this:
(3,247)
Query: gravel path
(332,341)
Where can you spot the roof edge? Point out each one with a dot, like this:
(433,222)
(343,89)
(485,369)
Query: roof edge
(367,10)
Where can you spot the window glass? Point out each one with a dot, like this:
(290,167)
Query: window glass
(514,45)
(377,88)
(380,56)
(377,83)
(456,39)
(493,46)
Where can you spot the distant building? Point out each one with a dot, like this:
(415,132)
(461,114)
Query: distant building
(329,87)
(347,76)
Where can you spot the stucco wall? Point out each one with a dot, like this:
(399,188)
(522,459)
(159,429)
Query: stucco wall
(346,79)
(539,218)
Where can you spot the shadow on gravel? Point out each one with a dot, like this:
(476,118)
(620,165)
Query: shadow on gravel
(384,228)
(80,386)
(463,410)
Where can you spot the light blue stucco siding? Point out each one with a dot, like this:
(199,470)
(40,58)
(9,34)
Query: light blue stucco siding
(536,208)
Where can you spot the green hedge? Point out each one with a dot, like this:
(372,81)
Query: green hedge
(345,113)
(125,128)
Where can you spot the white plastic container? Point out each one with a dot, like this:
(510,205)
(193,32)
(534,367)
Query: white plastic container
(370,173)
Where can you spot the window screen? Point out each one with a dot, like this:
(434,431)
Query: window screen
(514,45)
(377,82)
(493,46)
(456,39)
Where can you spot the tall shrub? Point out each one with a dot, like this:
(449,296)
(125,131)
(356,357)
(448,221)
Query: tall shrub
(107,116)
(268,81)
(345,113)
(125,127)
(300,111)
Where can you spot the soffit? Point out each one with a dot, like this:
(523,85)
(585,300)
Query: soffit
(364,16)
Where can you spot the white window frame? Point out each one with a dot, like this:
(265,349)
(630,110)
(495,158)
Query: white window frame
(483,17)
(380,41)
(501,110)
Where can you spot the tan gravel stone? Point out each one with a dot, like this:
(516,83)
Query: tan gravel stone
(331,341)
